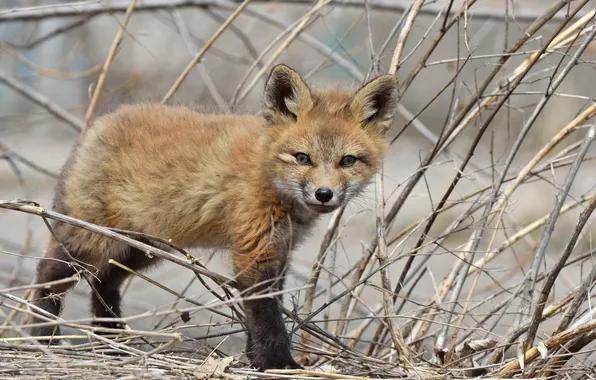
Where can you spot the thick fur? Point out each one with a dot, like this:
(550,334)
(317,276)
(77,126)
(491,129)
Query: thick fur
(224,181)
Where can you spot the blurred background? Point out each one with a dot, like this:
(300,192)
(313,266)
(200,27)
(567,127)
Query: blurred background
(48,60)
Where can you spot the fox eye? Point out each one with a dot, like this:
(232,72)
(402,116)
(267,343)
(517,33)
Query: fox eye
(347,161)
(302,158)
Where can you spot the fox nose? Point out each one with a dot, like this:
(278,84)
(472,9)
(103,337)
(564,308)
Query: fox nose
(323,194)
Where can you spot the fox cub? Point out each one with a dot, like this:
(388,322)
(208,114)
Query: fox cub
(252,184)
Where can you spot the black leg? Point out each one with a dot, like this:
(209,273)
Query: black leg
(108,306)
(268,343)
(106,296)
(52,268)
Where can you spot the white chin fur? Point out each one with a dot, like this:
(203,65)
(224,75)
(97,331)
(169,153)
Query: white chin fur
(321,209)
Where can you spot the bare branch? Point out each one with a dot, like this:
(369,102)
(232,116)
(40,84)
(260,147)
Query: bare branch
(43,101)
(108,62)
(95,7)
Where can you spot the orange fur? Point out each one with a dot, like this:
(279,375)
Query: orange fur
(224,181)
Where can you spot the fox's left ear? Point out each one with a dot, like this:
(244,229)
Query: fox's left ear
(286,96)
(375,103)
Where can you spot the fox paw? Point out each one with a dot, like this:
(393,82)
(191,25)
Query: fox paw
(272,358)
(275,362)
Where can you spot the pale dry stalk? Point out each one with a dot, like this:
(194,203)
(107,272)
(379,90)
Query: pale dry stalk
(538,306)
(326,245)
(95,7)
(401,41)
(427,160)
(163,287)
(43,101)
(388,306)
(537,110)
(459,174)
(294,33)
(491,254)
(48,72)
(108,62)
(191,48)
(314,43)
(552,143)
(551,343)
(466,305)
(422,325)
(203,51)
(475,236)
(559,41)
(146,248)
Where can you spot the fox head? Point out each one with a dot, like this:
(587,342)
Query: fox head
(324,146)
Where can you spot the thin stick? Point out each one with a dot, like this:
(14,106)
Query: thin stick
(97,7)
(551,343)
(36,210)
(401,41)
(11,155)
(55,33)
(558,41)
(75,278)
(191,48)
(43,101)
(48,72)
(577,301)
(165,288)
(204,50)
(108,62)
(388,306)
(305,20)
(326,246)
(546,288)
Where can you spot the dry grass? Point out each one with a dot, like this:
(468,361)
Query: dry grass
(369,320)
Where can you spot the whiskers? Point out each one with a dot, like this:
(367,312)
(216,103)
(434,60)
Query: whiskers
(290,191)
(359,198)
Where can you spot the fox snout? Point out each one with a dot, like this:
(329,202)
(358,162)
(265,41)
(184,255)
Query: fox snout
(324,194)
(323,198)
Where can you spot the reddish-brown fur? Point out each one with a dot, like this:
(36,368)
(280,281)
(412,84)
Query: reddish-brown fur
(222,181)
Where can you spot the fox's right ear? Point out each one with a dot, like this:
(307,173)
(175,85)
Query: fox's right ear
(286,96)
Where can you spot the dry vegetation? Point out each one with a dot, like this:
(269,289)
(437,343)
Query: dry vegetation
(513,295)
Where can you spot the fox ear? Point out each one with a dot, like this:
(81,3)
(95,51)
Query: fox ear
(286,96)
(375,103)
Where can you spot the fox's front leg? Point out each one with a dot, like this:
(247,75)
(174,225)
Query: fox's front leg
(260,270)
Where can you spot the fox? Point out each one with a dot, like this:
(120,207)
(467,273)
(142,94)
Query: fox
(252,184)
